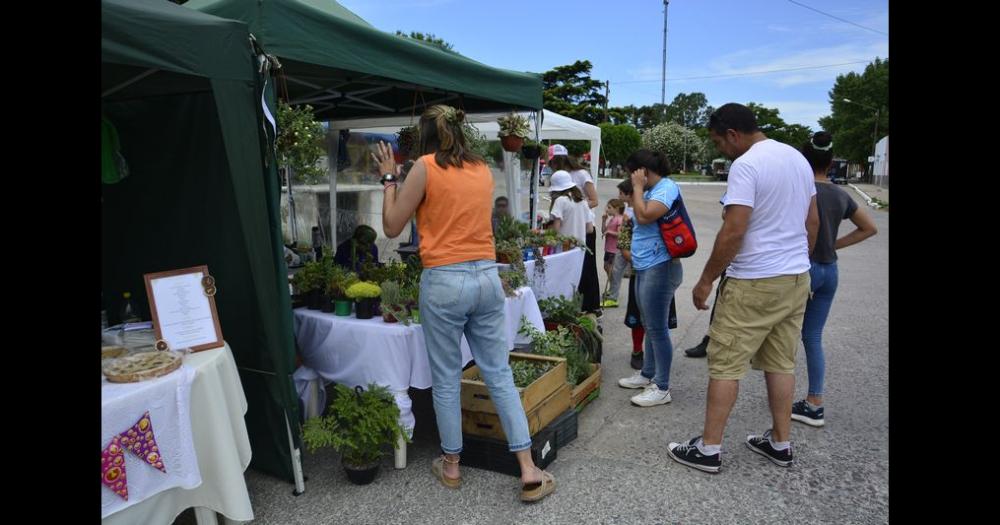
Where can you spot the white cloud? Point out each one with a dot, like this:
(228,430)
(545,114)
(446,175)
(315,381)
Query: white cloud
(756,60)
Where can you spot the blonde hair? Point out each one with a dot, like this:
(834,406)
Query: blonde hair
(441,134)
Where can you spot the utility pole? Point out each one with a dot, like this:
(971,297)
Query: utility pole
(663,76)
(607,97)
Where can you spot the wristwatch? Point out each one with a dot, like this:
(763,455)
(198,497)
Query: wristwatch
(387,178)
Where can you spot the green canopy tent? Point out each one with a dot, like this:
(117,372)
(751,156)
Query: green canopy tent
(345,68)
(183,90)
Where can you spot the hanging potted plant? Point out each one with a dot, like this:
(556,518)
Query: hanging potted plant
(301,143)
(359,423)
(365,296)
(531,149)
(340,280)
(513,130)
(407,139)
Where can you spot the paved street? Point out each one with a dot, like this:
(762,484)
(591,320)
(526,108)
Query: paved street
(617,471)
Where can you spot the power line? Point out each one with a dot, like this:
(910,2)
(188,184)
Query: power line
(750,73)
(838,18)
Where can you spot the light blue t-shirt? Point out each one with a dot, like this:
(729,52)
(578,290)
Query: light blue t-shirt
(648,249)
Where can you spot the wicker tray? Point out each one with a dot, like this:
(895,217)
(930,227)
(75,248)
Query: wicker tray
(140,367)
(108,352)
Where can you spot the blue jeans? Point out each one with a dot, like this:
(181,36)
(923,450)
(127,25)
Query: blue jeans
(655,287)
(823,286)
(467,298)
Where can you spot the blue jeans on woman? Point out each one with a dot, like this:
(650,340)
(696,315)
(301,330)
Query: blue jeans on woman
(467,298)
(655,287)
(823,286)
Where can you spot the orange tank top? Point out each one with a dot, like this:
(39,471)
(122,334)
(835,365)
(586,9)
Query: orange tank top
(454,219)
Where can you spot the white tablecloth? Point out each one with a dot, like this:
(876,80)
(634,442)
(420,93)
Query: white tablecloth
(353,352)
(561,276)
(168,400)
(221,444)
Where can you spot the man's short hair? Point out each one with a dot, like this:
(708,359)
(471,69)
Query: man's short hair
(500,198)
(732,116)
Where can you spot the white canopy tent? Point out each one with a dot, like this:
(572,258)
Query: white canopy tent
(554,127)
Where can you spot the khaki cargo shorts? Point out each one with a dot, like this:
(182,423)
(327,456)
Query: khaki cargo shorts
(758,322)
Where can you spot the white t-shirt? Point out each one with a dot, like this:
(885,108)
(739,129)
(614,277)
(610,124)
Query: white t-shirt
(776,181)
(574,217)
(581,178)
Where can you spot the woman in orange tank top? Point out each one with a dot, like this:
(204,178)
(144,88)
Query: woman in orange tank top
(450,188)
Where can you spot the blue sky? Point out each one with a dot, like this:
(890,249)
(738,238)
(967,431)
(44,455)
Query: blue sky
(623,40)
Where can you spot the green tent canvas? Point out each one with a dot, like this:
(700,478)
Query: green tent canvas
(182,89)
(345,68)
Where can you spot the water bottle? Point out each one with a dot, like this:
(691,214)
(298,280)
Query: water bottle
(129,313)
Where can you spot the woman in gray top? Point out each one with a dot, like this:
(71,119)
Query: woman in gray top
(834,205)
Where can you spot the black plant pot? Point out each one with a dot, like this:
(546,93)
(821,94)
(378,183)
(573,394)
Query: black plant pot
(361,474)
(531,152)
(366,308)
(314,298)
(326,304)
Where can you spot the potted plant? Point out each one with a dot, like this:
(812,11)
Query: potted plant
(340,280)
(410,296)
(364,294)
(393,304)
(407,138)
(359,423)
(309,281)
(560,310)
(513,130)
(532,149)
(509,252)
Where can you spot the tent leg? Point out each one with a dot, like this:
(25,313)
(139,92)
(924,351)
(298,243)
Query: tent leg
(400,454)
(300,483)
(205,516)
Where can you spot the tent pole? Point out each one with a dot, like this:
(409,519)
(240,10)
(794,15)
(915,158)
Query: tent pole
(129,82)
(300,484)
(292,222)
(334,161)
(533,183)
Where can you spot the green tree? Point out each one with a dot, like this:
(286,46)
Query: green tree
(569,91)
(624,115)
(429,38)
(618,141)
(690,110)
(676,141)
(770,122)
(853,123)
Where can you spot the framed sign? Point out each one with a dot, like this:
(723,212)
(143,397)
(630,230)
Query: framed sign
(182,303)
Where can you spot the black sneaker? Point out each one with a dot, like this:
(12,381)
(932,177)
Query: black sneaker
(803,414)
(701,350)
(688,454)
(762,446)
(636,360)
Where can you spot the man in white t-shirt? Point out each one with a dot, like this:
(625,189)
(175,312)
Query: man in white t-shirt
(769,227)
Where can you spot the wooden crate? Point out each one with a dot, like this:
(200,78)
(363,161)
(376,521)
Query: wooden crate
(487,424)
(476,396)
(582,391)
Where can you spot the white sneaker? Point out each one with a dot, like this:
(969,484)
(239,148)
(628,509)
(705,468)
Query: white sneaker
(651,397)
(636,381)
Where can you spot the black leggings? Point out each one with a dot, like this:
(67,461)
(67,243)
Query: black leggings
(589,285)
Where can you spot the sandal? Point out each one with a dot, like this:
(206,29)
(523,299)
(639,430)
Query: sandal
(536,491)
(437,467)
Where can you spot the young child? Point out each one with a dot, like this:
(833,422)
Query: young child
(611,224)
